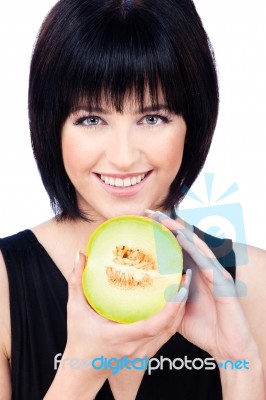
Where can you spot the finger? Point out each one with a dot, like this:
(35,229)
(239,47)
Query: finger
(170,316)
(164,219)
(180,229)
(183,291)
(200,253)
(75,278)
(164,322)
(165,319)
(178,225)
(219,280)
(174,225)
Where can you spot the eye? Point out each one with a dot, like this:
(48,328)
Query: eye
(92,121)
(89,121)
(154,120)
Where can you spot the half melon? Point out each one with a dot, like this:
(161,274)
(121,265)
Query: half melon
(134,266)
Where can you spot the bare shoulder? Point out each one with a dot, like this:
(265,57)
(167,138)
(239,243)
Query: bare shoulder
(5,332)
(250,285)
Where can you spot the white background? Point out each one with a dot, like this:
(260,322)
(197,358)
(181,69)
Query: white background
(237,31)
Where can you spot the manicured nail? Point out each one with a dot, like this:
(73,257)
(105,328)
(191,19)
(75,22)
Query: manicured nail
(188,277)
(180,295)
(147,211)
(189,272)
(77,259)
(158,216)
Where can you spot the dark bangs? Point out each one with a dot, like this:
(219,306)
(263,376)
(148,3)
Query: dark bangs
(117,56)
(95,51)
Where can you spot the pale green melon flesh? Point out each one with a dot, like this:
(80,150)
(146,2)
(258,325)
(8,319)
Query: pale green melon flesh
(123,304)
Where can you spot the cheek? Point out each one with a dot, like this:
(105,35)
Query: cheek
(78,155)
(170,153)
(72,156)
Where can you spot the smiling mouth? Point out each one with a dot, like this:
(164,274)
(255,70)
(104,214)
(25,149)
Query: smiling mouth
(126,182)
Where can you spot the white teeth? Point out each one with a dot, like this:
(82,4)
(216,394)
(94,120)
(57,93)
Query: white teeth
(127,182)
(133,180)
(118,182)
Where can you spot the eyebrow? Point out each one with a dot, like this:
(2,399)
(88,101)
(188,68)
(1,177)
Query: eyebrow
(101,110)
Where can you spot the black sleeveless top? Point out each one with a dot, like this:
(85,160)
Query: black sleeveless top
(38,299)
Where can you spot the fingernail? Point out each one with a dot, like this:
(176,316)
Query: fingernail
(189,272)
(158,216)
(188,276)
(77,259)
(155,215)
(180,296)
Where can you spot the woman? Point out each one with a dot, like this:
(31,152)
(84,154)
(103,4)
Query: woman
(123,103)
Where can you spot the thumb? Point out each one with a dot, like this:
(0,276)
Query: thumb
(75,278)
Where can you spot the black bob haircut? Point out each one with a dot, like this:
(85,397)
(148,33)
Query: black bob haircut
(90,50)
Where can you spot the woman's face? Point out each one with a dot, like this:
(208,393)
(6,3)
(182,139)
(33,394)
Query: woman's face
(122,163)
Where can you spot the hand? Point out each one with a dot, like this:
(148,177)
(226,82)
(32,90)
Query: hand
(90,335)
(213,319)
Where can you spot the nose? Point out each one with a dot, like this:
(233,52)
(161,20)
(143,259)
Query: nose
(122,150)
